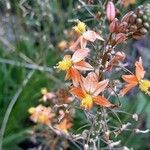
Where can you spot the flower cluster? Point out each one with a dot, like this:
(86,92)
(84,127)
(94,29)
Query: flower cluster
(89,65)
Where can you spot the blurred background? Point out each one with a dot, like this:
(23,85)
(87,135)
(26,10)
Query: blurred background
(32,37)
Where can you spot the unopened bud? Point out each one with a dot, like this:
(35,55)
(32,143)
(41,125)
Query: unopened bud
(143,31)
(110,11)
(114,25)
(120,37)
(139,21)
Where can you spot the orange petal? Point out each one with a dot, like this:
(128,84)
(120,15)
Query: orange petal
(80,55)
(130,78)
(101,87)
(92,36)
(102,101)
(139,70)
(75,76)
(126,89)
(83,66)
(77,92)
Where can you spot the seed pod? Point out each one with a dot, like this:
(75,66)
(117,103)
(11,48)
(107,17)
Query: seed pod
(110,11)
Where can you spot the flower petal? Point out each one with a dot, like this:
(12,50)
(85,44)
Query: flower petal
(83,42)
(90,82)
(130,78)
(92,36)
(102,101)
(83,66)
(101,87)
(139,70)
(77,92)
(126,89)
(80,55)
(74,75)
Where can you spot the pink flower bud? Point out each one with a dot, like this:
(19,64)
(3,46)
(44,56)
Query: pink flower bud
(126,17)
(110,11)
(114,25)
(122,27)
(120,37)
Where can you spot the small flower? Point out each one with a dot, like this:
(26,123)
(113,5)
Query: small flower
(137,79)
(41,114)
(89,92)
(84,37)
(46,95)
(72,64)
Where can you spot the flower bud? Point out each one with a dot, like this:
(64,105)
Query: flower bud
(114,25)
(120,37)
(110,11)
(139,21)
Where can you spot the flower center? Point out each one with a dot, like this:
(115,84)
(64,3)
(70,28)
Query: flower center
(65,64)
(144,86)
(80,27)
(87,102)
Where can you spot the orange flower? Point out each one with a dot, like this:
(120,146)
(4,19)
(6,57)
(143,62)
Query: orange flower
(63,126)
(137,79)
(72,64)
(41,114)
(126,3)
(84,37)
(119,56)
(89,92)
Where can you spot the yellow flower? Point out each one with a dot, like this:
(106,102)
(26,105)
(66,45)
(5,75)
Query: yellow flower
(144,86)
(80,27)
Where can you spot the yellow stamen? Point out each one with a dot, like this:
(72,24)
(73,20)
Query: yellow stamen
(65,64)
(144,86)
(31,110)
(80,27)
(87,102)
